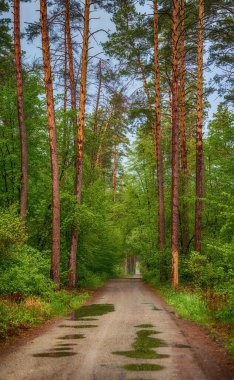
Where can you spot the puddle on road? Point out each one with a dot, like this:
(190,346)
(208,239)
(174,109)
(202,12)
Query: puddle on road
(143,346)
(178,345)
(82,314)
(79,326)
(139,378)
(143,367)
(55,354)
(66,344)
(61,349)
(156,308)
(93,310)
(72,336)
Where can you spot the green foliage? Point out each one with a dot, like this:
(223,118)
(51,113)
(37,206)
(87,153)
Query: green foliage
(188,305)
(32,311)
(11,230)
(27,273)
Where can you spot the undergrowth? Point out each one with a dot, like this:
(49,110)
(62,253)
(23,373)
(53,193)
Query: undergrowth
(192,304)
(20,314)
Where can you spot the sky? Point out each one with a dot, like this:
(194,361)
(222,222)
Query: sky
(30,14)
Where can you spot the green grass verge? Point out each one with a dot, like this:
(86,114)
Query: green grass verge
(16,316)
(193,306)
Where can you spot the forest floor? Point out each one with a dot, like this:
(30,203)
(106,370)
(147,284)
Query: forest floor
(126,331)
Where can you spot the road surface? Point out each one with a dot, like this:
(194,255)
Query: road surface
(184,351)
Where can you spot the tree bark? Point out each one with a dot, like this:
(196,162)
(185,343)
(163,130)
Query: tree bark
(55,257)
(199,142)
(98,96)
(161,217)
(65,134)
(20,106)
(114,170)
(96,118)
(183,145)
(72,272)
(98,159)
(71,68)
(175,147)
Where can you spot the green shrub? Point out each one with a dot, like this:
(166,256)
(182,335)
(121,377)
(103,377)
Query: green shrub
(26,273)
(11,230)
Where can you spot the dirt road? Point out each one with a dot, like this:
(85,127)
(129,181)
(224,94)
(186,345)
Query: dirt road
(132,322)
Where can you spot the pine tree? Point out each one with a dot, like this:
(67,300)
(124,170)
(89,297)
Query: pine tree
(55,256)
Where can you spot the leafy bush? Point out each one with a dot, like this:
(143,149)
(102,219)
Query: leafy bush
(11,230)
(27,273)
(32,311)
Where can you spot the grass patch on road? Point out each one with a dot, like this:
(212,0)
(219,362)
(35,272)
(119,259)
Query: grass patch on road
(143,346)
(56,354)
(143,367)
(94,310)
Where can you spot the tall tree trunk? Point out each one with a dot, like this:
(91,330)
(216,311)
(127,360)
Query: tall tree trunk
(65,134)
(184,165)
(71,73)
(98,158)
(199,143)
(114,170)
(95,125)
(72,275)
(55,257)
(161,217)
(98,96)
(22,128)
(175,147)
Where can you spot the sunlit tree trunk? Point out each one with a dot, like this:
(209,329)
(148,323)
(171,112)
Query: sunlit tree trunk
(55,257)
(65,134)
(21,118)
(183,145)
(98,96)
(175,147)
(71,64)
(199,143)
(161,218)
(72,272)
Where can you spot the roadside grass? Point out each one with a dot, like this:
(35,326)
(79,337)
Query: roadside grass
(21,314)
(193,305)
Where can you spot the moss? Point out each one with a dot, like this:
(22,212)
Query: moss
(143,367)
(93,310)
(143,346)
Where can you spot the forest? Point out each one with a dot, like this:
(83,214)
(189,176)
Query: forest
(116,146)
